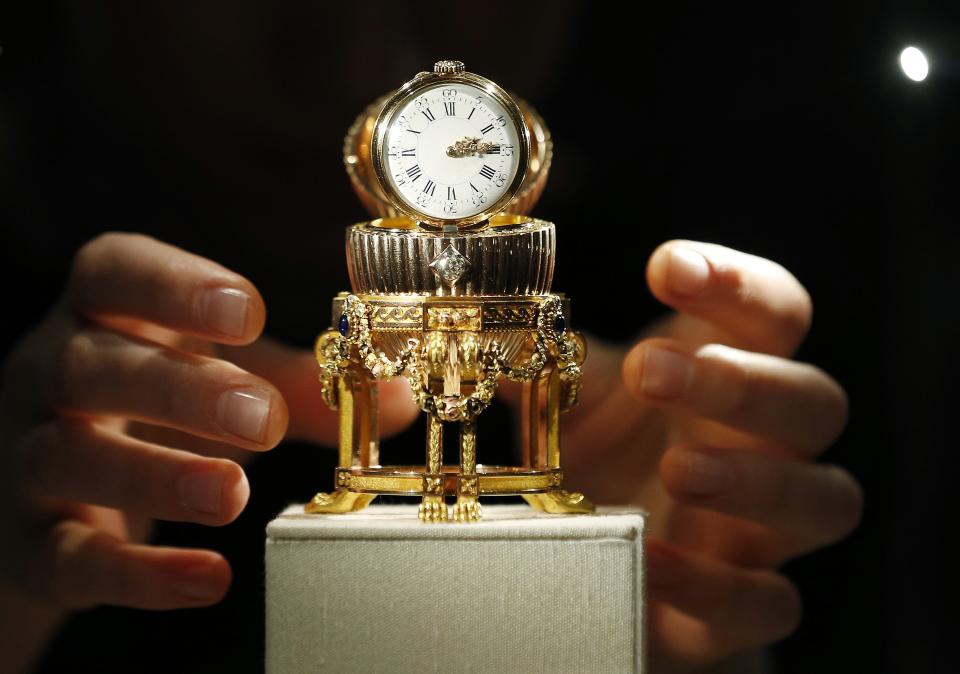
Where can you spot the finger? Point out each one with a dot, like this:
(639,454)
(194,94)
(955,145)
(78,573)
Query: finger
(77,566)
(807,505)
(296,374)
(796,405)
(690,331)
(157,334)
(755,299)
(171,437)
(714,609)
(136,276)
(77,461)
(103,373)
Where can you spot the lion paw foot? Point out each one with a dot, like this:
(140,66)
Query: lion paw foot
(467,509)
(433,509)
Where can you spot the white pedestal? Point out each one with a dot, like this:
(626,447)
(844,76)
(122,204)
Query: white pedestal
(520,591)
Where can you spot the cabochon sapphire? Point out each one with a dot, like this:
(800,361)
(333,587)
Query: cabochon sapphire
(559,323)
(344,325)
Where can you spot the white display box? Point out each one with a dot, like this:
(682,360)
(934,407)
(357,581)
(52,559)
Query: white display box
(521,591)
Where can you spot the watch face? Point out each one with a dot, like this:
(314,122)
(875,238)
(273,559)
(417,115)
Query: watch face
(452,151)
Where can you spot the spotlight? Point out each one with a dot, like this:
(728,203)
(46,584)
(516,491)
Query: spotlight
(914,64)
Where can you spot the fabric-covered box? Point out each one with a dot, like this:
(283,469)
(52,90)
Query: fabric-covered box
(521,591)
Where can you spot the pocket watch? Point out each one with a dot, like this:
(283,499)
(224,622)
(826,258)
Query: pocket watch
(450,148)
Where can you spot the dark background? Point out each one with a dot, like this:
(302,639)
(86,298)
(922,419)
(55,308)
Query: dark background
(787,132)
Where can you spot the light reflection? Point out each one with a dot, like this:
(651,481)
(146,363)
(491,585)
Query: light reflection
(914,64)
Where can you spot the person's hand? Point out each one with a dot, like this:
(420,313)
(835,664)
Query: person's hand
(121,408)
(709,425)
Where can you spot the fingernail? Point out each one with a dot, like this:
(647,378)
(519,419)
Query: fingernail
(663,568)
(704,474)
(195,582)
(665,373)
(225,310)
(244,413)
(202,492)
(687,271)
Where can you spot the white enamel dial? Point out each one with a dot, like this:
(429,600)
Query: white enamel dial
(451,151)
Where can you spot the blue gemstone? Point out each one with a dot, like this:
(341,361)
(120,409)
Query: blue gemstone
(344,325)
(559,324)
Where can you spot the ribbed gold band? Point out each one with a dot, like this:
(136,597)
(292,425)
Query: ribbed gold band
(512,257)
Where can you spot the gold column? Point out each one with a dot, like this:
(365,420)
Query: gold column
(433,508)
(467,507)
(358,440)
(545,394)
(552,413)
(359,443)
(541,414)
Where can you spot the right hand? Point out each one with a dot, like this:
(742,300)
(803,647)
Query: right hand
(128,365)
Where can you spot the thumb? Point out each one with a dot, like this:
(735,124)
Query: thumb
(296,374)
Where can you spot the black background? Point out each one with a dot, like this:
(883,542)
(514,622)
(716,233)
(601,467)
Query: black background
(786,131)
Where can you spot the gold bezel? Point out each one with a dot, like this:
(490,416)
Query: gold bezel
(411,89)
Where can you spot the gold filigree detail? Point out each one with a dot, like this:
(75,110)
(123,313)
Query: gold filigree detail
(433,485)
(453,318)
(554,354)
(468,485)
(329,358)
(469,343)
(510,317)
(395,317)
(434,444)
(468,447)
(435,353)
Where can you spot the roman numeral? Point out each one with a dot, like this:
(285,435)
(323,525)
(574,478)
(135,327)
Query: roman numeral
(414,173)
(471,113)
(412,131)
(487,172)
(451,193)
(430,188)
(474,188)
(450,108)
(409,153)
(429,115)
(487,128)
(494,149)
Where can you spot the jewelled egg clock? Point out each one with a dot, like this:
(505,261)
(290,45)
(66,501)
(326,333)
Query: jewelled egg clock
(450,290)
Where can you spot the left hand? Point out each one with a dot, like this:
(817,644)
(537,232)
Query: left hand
(708,424)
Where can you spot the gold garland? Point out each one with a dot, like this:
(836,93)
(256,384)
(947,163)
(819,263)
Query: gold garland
(333,355)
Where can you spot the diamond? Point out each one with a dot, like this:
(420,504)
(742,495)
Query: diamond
(450,265)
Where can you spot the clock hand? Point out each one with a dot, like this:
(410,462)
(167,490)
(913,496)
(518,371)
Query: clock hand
(471,147)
